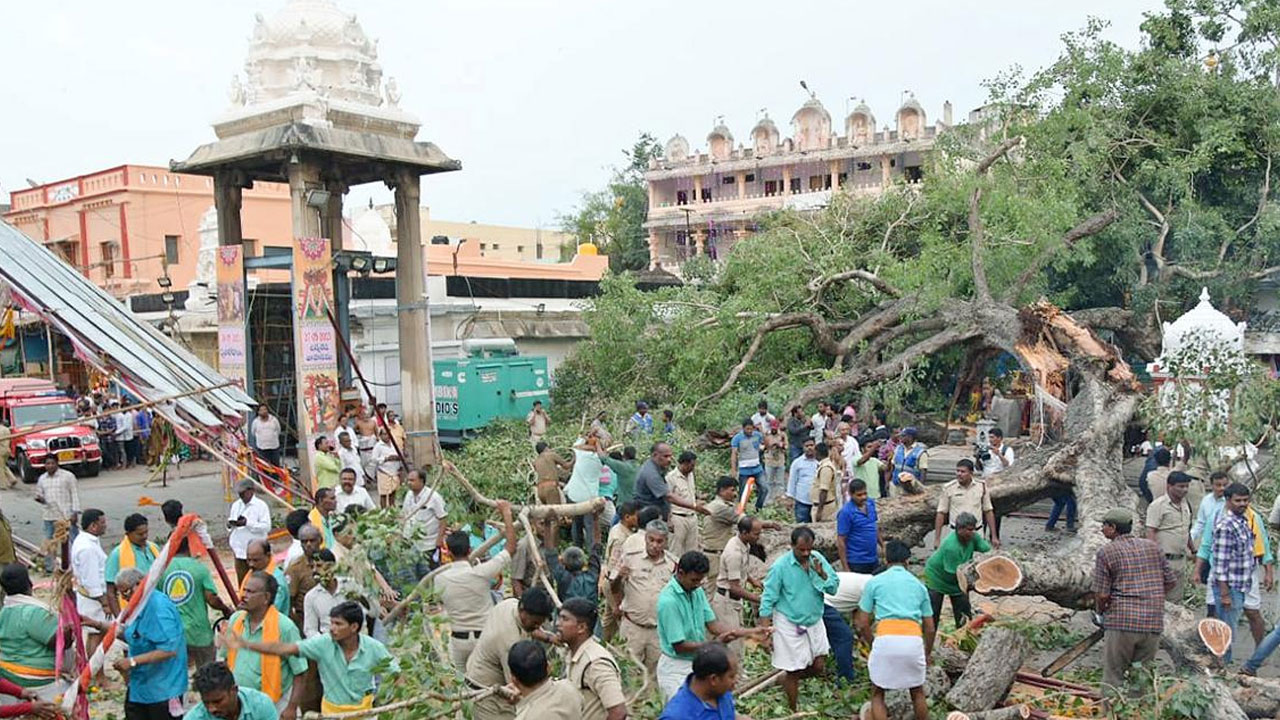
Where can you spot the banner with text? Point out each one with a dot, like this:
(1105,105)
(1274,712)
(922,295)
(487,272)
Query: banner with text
(314,338)
(232,349)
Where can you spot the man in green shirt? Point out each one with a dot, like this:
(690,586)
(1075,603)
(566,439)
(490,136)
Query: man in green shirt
(794,588)
(624,470)
(261,621)
(940,570)
(345,658)
(326,463)
(684,620)
(868,467)
(898,603)
(28,636)
(189,584)
(221,698)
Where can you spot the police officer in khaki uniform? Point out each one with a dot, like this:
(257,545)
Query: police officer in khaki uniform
(509,622)
(684,515)
(639,579)
(719,525)
(541,696)
(589,667)
(737,571)
(1169,526)
(464,588)
(965,494)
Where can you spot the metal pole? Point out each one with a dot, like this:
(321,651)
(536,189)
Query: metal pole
(48,336)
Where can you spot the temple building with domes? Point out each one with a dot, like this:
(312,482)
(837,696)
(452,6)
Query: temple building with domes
(701,202)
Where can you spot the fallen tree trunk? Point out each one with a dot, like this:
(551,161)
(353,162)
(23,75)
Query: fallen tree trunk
(989,673)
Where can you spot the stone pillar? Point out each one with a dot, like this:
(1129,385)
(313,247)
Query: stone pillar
(655,250)
(786,179)
(835,174)
(227,199)
(417,381)
(742,185)
(653,195)
(700,240)
(697,189)
(886,175)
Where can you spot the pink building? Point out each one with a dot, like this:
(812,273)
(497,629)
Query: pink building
(127,226)
(701,202)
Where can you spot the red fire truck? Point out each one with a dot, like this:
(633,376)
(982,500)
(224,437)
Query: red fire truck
(27,403)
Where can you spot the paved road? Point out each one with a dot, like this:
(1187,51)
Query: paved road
(118,493)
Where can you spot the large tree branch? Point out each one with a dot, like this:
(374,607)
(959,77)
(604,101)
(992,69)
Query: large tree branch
(1001,150)
(980,286)
(1262,204)
(860,376)
(820,284)
(882,340)
(1088,227)
(1160,220)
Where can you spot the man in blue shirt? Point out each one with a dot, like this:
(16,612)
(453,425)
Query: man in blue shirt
(156,667)
(707,694)
(858,538)
(745,459)
(800,482)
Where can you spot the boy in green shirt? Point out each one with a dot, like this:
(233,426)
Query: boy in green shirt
(189,584)
(940,569)
(220,697)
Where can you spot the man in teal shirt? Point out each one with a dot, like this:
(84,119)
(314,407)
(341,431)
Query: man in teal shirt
(940,569)
(345,657)
(794,588)
(624,471)
(189,584)
(899,605)
(222,699)
(684,619)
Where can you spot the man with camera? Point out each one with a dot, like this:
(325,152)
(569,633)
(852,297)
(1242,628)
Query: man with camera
(995,455)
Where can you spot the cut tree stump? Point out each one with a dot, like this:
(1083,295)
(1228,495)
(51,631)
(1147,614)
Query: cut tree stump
(997,574)
(989,674)
(1215,634)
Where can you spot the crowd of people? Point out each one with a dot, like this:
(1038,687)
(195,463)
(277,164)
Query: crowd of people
(630,557)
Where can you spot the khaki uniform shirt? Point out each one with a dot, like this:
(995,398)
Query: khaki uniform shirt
(682,486)
(641,588)
(546,465)
(1157,481)
(553,700)
(594,673)
(825,479)
(464,590)
(488,662)
(720,525)
(733,563)
(301,579)
(618,535)
(956,499)
(1172,524)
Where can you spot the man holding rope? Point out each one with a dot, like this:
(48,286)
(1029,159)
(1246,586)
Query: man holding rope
(509,622)
(464,588)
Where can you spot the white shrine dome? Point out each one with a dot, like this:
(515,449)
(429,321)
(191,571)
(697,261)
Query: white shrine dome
(1205,322)
(370,232)
(311,46)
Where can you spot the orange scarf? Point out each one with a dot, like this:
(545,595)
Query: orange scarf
(271,568)
(272,678)
(127,557)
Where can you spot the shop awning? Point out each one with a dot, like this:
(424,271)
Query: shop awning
(107,336)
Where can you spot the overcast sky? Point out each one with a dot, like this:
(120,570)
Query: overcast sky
(535,97)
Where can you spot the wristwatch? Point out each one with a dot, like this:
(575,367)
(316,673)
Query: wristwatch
(133,663)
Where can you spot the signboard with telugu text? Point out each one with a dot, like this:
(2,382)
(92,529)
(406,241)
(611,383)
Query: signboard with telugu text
(314,338)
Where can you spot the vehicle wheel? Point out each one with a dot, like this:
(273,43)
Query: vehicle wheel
(92,469)
(29,474)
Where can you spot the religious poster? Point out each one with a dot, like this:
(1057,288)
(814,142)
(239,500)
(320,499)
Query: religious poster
(315,339)
(232,354)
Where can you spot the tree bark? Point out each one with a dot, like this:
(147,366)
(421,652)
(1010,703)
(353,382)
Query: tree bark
(989,674)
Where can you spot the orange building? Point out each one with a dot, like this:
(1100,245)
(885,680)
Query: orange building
(128,226)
